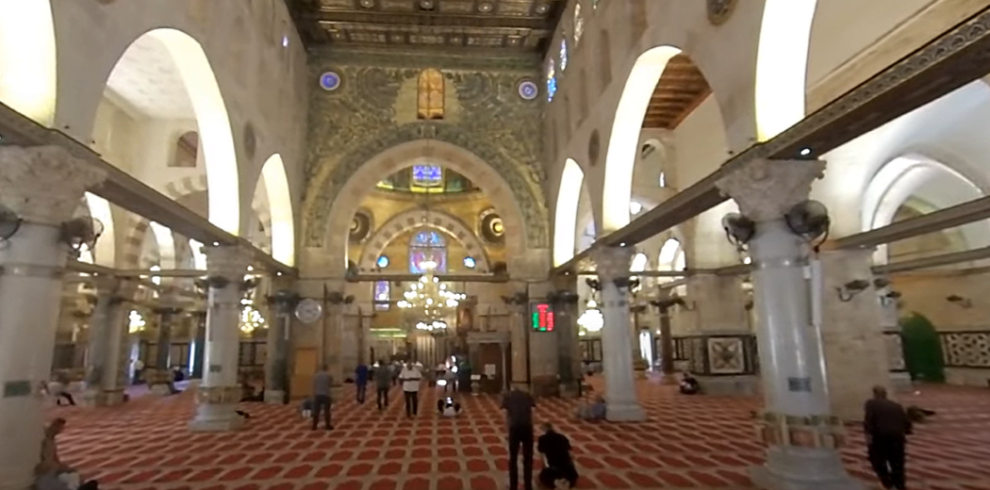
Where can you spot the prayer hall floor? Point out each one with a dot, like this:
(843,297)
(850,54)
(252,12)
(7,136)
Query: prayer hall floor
(688,443)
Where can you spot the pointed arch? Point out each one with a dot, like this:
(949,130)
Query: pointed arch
(283,228)
(566,212)
(28,59)
(782,65)
(420,219)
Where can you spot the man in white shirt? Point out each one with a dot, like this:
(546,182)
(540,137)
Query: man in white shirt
(410,377)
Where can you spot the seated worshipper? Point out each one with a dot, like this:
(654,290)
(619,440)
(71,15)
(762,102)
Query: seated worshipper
(58,388)
(689,385)
(593,411)
(448,407)
(51,473)
(558,467)
(917,415)
(177,374)
(306,408)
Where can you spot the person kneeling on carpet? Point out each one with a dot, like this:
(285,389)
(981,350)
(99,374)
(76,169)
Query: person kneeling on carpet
(447,407)
(593,411)
(688,385)
(558,467)
(51,473)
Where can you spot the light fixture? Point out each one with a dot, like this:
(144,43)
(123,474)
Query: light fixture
(805,152)
(850,289)
(285,41)
(592,320)
(635,207)
(251,319)
(382,261)
(135,322)
(470,263)
(427,299)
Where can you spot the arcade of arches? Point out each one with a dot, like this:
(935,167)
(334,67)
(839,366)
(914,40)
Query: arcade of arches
(204,202)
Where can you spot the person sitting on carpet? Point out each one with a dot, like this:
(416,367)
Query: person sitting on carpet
(689,385)
(51,473)
(306,408)
(558,467)
(593,411)
(448,408)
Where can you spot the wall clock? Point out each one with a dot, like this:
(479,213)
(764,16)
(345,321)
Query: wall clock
(309,310)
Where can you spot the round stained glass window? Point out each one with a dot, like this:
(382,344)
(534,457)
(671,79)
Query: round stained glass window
(330,81)
(528,90)
(382,261)
(470,263)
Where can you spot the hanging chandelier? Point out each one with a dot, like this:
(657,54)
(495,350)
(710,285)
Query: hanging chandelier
(592,319)
(429,300)
(135,322)
(251,319)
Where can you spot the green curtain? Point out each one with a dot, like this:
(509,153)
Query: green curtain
(922,349)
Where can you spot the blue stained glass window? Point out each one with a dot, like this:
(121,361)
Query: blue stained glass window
(427,245)
(383,295)
(382,261)
(551,80)
(563,54)
(427,175)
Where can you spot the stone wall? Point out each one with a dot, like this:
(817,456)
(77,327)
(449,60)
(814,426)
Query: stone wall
(374,109)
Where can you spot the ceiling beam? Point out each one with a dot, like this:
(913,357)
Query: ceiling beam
(955,58)
(942,219)
(417,20)
(127,192)
(934,261)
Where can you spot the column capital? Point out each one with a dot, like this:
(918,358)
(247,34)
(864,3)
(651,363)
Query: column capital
(228,262)
(44,184)
(613,263)
(766,189)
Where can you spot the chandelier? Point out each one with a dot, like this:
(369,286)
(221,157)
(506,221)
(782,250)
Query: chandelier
(251,319)
(135,322)
(428,299)
(592,319)
(435,326)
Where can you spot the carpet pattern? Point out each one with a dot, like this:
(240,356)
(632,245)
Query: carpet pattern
(688,443)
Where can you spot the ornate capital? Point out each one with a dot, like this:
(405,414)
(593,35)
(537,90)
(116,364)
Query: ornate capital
(562,298)
(284,300)
(613,262)
(229,262)
(44,184)
(337,298)
(766,189)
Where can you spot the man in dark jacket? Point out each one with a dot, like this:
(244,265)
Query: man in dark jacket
(556,450)
(383,381)
(886,426)
(518,406)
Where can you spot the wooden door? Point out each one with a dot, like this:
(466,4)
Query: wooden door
(301,385)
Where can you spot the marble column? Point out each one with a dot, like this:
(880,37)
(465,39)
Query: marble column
(900,379)
(569,362)
(852,335)
(797,423)
(666,352)
(276,366)
(159,378)
(518,305)
(219,392)
(335,350)
(505,379)
(620,384)
(43,186)
(106,334)
(199,347)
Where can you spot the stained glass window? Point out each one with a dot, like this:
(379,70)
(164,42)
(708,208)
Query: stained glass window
(551,80)
(427,175)
(431,94)
(578,24)
(383,295)
(563,54)
(427,245)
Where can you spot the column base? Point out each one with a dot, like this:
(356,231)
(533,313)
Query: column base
(216,418)
(631,412)
(901,382)
(803,469)
(275,397)
(747,385)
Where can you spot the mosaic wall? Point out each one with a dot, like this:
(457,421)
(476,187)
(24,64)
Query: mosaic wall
(718,355)
(371,107)
(966,349)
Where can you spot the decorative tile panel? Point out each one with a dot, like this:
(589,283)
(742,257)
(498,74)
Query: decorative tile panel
(726,355)
(718,355)
(966,349)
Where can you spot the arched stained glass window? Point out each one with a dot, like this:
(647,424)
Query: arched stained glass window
(551,80)
(563,54)
(427,245)
(383,295)
(431,93)
(578,24)
(426,178)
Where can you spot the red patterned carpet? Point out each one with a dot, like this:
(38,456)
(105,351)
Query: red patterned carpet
(688,443)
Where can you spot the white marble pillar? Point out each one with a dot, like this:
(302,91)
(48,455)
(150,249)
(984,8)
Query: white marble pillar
(105,344)
(620,384)
(43,185)
(797,423)
(218,394)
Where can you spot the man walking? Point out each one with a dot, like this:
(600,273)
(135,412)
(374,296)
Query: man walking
(361,381)
(410,378)
(321,397)
(886,426)
(518,406)
(383,381)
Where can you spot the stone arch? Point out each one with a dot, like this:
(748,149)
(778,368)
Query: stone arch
(566,212)
(275,214)
(492,181)
(210,111)
(28,59)
(420,218)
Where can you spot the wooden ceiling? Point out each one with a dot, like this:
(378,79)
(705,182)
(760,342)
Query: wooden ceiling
(519,25)
(681,89)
